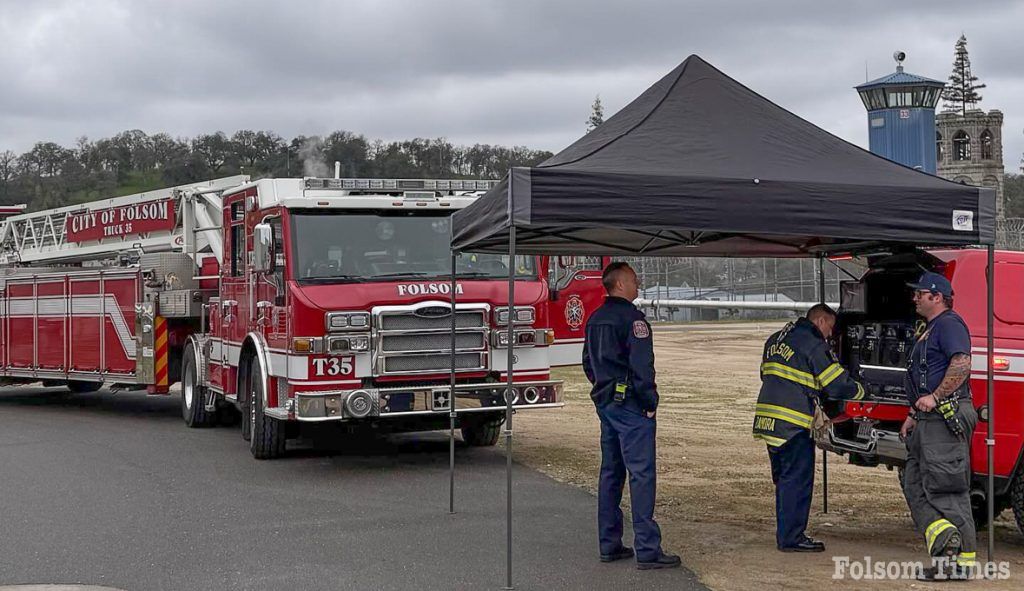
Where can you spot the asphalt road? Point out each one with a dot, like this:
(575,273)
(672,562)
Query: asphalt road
(113,490)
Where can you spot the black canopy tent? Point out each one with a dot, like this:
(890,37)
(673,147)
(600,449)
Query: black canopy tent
(700,165)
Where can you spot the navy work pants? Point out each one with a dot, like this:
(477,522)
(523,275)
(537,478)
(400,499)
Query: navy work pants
(793,475)
(627,445)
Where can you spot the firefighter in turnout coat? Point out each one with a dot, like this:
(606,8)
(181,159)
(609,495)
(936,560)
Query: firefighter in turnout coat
(798,366)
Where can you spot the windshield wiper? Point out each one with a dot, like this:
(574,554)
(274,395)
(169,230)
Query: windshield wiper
(478,274)
(404,274)
(332,279)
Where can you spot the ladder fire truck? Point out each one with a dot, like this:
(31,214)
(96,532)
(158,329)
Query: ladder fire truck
(289,301)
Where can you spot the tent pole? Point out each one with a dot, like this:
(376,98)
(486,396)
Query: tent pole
(824,453)
(451,404)
(509,395)
(990,438)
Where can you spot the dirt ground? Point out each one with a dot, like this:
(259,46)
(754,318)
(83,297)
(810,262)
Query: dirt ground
(715,498)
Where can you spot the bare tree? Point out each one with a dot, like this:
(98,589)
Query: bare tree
(8,168)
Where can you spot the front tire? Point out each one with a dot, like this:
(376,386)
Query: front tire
(482,433)
(1017,499)
(268,435)
(193,395)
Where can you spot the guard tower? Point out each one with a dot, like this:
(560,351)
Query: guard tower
(901,116)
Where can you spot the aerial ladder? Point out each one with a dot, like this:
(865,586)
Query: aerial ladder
(42,238)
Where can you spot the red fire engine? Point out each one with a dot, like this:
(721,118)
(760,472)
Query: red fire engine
(290,300)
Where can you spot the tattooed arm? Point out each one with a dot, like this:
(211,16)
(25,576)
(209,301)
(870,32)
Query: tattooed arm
(958,371)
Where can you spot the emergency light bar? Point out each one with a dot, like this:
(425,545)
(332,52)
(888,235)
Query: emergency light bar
(401,184)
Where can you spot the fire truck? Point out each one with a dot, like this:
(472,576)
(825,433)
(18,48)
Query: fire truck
(289,301)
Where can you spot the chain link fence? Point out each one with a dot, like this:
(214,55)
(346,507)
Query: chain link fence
(760,280)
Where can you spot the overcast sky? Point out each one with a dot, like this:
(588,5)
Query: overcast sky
(520,72)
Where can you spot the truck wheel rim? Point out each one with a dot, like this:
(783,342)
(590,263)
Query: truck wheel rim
(187,389)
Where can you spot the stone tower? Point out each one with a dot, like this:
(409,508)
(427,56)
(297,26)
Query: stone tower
(969,149)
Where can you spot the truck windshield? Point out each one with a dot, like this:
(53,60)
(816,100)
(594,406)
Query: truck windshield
(358,246)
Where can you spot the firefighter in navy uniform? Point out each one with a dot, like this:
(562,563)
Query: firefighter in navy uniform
(798,366)
(618,358)
(937,476)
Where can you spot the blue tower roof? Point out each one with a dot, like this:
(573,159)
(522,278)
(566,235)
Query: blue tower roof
(899,77)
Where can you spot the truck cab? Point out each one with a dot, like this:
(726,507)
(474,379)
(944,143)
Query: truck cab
(875,334)
(333,304)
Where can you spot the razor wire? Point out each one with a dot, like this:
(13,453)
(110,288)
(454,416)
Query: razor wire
(1010,234)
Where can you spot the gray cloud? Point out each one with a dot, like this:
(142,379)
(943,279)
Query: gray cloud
(521,72)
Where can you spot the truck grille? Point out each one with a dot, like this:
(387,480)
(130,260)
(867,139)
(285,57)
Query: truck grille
(432,342)
(417,339)
(431,363)
(407,321)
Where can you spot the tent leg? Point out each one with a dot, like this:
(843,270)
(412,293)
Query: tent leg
(990,440)
(824,453)
(509,395)
(451,405)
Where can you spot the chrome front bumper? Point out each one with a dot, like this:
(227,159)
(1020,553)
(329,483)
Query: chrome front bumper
(382,403)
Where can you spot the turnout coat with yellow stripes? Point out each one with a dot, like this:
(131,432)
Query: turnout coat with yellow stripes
(797,366)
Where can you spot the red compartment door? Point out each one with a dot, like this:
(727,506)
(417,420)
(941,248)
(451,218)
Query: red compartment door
(21,328)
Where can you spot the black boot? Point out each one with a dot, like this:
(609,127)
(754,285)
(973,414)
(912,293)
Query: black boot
(662,561)
(807,545)
(623,552)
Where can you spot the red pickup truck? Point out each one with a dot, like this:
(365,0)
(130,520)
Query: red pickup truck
(875,334)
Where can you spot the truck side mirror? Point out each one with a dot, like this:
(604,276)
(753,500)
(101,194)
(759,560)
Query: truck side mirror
(263,248)
(553,268)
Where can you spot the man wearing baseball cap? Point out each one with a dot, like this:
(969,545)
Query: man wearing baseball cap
(937,475)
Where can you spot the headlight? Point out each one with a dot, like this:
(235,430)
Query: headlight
(353,343)
(523,315)
(348,321)
(523,338)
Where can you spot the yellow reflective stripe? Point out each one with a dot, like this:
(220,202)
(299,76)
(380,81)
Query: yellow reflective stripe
(786,414)
(966,559)
(931,533)
(773,441)
(860,393)
(785,372)
(788,418)
(830,374)
(765,409)
(774,365)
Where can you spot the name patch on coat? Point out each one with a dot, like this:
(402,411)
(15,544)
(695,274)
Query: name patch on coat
(781,349)
(640,329)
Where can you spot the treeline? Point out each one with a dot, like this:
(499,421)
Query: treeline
(51,175)
(1013,195)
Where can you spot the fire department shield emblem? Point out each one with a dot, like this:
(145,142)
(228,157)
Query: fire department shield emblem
(640,329)
(574,312)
